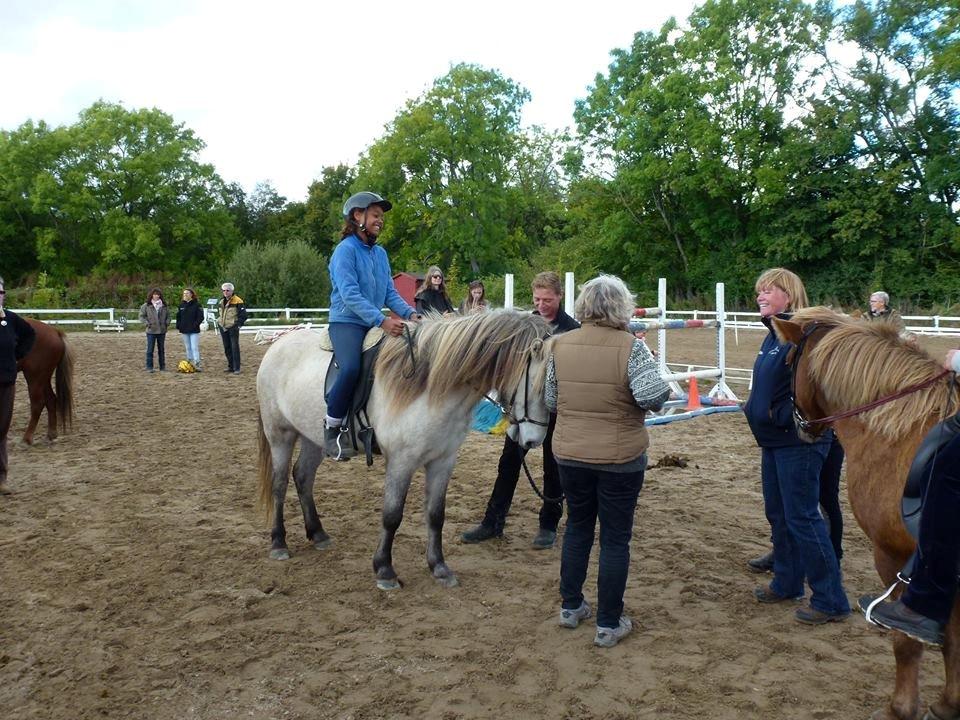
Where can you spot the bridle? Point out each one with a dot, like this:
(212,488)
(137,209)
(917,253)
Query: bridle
(806,424)
(508,410)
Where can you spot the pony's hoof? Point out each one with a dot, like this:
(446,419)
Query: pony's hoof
(389,584)
(279,554)
(448,581)
(323,543)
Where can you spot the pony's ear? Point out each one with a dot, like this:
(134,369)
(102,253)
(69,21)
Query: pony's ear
(787,330)
(537,348)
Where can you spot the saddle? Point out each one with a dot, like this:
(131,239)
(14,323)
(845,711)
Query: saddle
(918,479)
(361,432)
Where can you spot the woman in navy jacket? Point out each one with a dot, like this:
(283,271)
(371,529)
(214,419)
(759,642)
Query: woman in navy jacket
(790,470)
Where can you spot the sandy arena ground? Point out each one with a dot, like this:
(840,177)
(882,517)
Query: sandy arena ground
(135,582)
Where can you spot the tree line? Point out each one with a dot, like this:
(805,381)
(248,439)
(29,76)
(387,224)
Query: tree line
(757,133)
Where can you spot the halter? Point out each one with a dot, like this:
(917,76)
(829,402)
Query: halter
(507,410)
(805,424)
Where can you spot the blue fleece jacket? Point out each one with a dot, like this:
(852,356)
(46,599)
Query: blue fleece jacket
(362,284)
(769,408)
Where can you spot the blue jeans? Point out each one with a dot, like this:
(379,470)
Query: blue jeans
(347,340)
(156,341)
(191,343)
(612,497)
(801,543)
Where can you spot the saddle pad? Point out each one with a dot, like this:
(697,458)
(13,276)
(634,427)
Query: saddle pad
(372,337)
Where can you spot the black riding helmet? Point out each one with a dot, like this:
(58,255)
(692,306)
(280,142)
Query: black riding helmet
(363,200)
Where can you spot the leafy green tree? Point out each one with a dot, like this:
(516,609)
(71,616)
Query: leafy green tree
(446,162)
(121,191)
(323,214)
(693,123)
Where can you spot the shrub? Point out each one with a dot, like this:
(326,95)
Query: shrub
(292,274)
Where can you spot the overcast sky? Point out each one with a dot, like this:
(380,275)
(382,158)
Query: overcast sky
(279,89)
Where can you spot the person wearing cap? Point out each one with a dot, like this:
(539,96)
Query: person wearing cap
(361,284)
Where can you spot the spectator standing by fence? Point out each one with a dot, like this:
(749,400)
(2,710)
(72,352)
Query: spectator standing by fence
(155,316)
(189,318)
(232,316)
(880,310)
(432,295)
(476,299)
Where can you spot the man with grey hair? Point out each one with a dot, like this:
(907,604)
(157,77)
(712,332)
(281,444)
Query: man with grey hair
(232,316)
(880,310)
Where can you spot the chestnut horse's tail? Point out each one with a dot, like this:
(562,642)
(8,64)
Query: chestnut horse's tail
(264,471)
(64,378)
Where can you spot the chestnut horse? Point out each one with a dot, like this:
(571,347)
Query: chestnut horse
(50,355)
(841,364)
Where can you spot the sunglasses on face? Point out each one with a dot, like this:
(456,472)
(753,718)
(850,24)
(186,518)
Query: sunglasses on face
(438,276)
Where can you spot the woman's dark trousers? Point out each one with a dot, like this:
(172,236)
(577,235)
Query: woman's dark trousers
(611,497)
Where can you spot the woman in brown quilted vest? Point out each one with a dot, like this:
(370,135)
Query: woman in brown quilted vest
(601,380)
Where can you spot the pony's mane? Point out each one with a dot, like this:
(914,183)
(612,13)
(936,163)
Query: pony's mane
(859,361)
(477,353)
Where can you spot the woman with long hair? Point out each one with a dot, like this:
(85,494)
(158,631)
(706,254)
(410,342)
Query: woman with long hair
(476,299)
(190,317)
(156,317)
(432,295)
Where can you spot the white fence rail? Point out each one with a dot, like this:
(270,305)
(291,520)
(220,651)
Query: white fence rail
(265,317)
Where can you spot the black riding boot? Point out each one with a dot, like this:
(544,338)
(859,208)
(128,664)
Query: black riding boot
(336,443)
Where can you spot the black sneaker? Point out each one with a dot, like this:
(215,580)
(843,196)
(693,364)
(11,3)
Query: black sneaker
(762,564)
(897,616)
(480,533)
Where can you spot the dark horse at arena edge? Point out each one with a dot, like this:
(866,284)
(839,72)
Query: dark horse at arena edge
(50,359)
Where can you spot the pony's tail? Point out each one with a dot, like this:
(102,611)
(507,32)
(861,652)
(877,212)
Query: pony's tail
(64,378)
(264,472)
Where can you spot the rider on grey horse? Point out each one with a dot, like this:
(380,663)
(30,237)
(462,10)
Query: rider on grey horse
(361,284)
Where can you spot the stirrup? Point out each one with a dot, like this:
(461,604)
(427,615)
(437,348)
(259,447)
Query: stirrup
(868,611)
(334,445)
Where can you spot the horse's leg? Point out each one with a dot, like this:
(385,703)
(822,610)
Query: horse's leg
(947,706)
(435,505)
(50,402)
(36,392)
(395,487)
(304,473)
(281,452)
(905,703)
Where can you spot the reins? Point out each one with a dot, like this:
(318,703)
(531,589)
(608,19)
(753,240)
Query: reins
(805,423)
(881,401)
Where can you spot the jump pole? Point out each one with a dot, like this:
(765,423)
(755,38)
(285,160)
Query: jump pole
(508,291)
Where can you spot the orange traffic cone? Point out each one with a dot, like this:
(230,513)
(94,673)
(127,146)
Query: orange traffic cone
(693,396)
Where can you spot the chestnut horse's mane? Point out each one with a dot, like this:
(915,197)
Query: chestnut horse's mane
(859,361)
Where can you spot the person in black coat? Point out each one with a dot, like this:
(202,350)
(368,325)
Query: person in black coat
(190,316)
(547,301)
(16,340)
(432,295)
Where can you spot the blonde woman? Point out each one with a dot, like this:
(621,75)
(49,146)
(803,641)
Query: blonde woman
(790,470)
